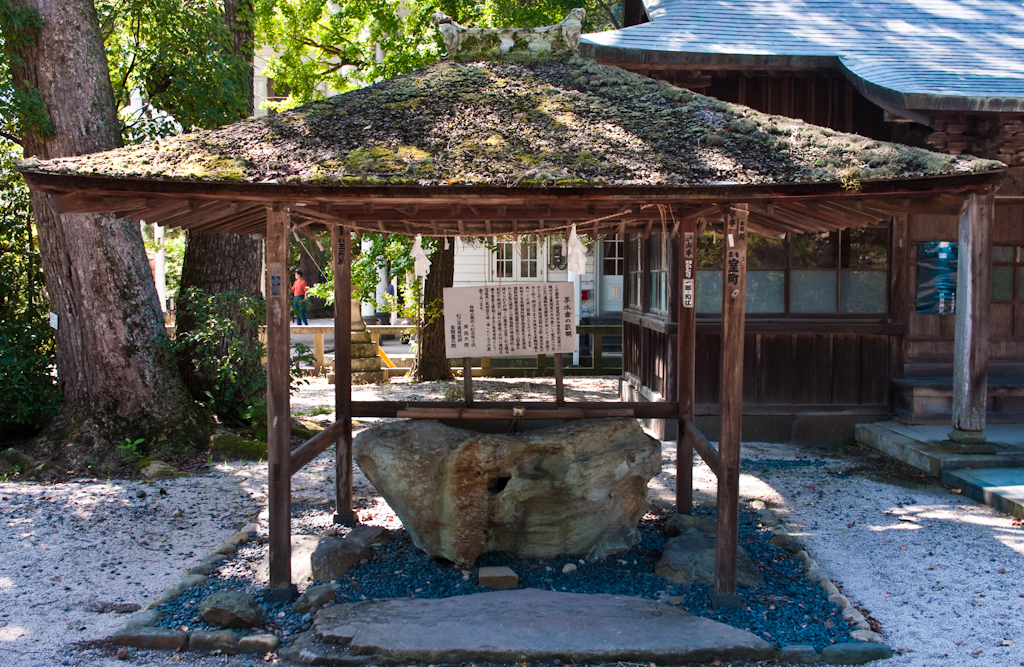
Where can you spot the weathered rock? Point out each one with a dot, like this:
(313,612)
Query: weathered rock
(303,547)
(529,625)
(334,556)
(144,619)
(157,469)
(677,524)
(579,488)
(867,636)
(497,578)
(214,640)
(854,654)
(150,638)
(190,580)
(788,543)
(799,654)
(839,599)
(230,609)
(315,596)
(689,557)
(265,643)
(367,536)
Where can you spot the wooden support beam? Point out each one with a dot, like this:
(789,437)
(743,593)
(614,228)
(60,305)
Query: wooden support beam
(515,412)
(79,203)
(341,256)
(973,297)
(278,411)
(734,279)
(660,410)
(695,440)
(686,361)
(467,381)
(154,214)
(315,446)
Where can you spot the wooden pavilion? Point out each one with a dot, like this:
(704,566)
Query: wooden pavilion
(473,149)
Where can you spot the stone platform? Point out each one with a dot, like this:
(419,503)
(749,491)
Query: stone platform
(528,625)
(994,479)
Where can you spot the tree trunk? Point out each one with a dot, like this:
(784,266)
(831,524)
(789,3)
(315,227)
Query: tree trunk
(238,16)
(433,363)
(215,262)
(114,366)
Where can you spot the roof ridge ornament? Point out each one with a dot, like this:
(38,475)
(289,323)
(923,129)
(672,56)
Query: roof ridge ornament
(516,44)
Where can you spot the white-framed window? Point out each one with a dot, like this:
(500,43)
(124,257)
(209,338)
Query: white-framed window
(518,261)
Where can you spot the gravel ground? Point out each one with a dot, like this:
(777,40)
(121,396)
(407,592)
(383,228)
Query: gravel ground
(937,571)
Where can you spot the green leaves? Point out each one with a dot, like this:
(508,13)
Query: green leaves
(179,54)
(325,46)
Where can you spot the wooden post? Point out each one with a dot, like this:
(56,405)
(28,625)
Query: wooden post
(686,351)
(973,297)
(467,380)
(559,387)
(318,352)
(341,256)
(278,409)
(734,279)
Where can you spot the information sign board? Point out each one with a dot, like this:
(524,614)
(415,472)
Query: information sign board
(508,320)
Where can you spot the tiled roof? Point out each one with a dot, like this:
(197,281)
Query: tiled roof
(909,54)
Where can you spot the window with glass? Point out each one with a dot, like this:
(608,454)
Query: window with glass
(658,261)
(1007,273)
(515,261)
(613,257)
(636,269)
(844,272)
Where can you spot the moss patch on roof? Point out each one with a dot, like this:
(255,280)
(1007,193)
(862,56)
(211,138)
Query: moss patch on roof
(557,123)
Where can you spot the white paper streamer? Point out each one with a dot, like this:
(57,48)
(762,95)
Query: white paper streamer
(422,268)
(577,253)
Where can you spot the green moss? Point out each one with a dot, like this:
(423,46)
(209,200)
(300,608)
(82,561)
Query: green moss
(15,463)
(232,447)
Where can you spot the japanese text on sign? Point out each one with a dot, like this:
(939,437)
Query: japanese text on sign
(493,321)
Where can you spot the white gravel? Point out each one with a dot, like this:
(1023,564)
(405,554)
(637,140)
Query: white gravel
(937,571)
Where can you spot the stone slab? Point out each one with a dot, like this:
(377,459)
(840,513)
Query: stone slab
(1000,488)
(532,625)
(498,578)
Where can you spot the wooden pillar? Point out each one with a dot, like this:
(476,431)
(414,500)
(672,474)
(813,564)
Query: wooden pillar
(341,256)
(973,297)
(686,351)
(278,409)
(734,279)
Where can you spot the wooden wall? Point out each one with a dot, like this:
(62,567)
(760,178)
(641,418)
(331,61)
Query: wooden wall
(928,347)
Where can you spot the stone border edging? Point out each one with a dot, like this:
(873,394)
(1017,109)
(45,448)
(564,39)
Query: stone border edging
(813,573)
(141,632)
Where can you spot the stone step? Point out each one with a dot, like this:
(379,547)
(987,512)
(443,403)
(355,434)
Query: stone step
(371,365)
(364,350)
(361,337)
(528,625)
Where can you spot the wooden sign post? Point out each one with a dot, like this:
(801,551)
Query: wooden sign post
(341,257)
(734,280)
(278,407)
(973,298)
(686,342)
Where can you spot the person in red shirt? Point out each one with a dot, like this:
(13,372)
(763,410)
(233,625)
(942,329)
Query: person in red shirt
(299,292)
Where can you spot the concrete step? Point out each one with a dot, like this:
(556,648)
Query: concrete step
(527,625)
(999,488)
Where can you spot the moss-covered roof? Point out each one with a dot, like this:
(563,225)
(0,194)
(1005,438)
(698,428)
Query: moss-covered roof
(566,123)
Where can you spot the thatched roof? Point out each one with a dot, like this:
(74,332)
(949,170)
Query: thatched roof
(568,123)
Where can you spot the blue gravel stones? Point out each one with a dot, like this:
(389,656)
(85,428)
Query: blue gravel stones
(787,610)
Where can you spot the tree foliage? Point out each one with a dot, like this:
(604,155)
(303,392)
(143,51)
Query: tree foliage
(325,46)
(28,385)
(179,54)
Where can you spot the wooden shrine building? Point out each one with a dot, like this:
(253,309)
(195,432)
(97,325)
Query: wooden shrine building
(470,148)
(841,327)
